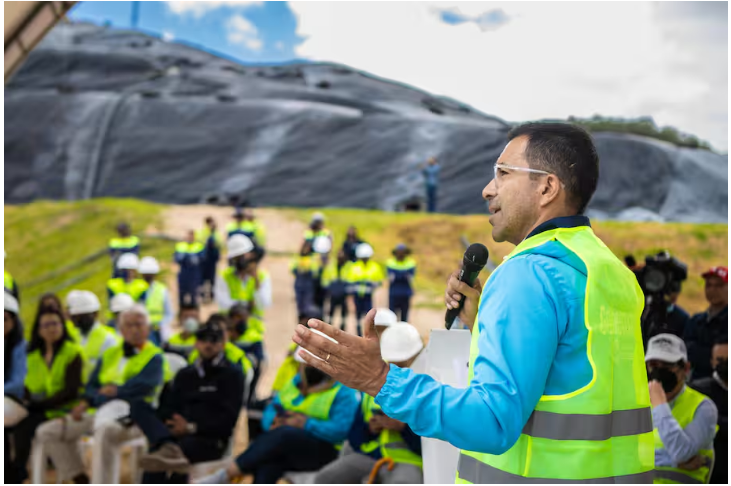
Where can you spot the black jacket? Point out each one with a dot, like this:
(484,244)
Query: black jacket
(712,389)
(700,334)
(211,399)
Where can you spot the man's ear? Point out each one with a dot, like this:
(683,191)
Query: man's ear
(550,190)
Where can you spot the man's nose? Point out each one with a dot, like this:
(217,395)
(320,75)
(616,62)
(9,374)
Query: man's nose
(490,191)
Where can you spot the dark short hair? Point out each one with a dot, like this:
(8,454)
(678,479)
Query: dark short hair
(721,340)
(188,307)
(566,151)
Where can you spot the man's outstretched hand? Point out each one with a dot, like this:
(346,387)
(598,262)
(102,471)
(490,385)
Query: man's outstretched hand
(353,361)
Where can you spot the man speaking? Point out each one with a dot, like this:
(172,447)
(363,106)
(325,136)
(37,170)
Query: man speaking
(558,388)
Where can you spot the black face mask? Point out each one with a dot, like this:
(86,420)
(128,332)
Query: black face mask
(722,370)
(241,328)
(314,376)
(128,350)
(241,264)
(84,322)
(667,378)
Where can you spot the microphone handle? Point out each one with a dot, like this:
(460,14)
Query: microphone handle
(468,276)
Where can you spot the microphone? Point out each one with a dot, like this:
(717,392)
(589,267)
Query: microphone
(475,259)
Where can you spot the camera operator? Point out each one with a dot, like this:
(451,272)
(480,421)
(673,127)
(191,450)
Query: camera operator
(706,328)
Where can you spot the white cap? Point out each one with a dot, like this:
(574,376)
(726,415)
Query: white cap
(322,244)
(318,216)
(239,245)
(11,304)
(83,302)
(303,349)
(121,303)
(149,266)
(364,250)
(668,348)
(385,317)
(128,261)
(400,343)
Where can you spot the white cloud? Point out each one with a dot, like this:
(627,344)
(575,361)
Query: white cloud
(241,31)
(549,60)
(198,9)
(168,36)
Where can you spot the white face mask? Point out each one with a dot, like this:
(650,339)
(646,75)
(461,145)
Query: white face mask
(190,325)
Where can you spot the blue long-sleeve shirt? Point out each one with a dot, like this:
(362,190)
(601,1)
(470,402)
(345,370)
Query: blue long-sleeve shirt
(681,444)
(335,428)
(15,380)
(138,387)
(532,342)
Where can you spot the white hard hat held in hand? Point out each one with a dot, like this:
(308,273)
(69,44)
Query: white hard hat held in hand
(11,304)
(149,266)
(83,302)
(128,261)
(121,303)
(364,250)
(385,317)
(400,343)
(239,245)
(322,244)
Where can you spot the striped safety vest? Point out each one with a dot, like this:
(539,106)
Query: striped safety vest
(364,277)
(125,245)
(43,382)
(601,432)
(251,229)
(189,248)
(134,288)
(315,405)
(390,442)
(155,303)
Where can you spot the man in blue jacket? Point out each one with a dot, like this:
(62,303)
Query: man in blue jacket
(555,331)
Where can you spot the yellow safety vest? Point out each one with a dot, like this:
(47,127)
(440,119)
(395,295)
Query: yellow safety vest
(183,345)
(43,382)
(315,405)
(306,264)
(286,371)
(9,283)
(233,353)
(116,369)
(390,442)
(601,432)
(189,248)
(93,347)
(240,292)
(407,264)
(254,331)
(134,288)
(311,235)
(331,274)
(364,276)
(203,234)
(252,229)
(155,303)
(683,410)
(122,244)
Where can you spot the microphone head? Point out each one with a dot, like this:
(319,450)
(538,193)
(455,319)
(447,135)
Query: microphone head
(476,255)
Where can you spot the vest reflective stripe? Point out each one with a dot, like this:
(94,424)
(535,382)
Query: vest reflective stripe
(364,276)
(683,410)
(117,370)
(8,282)
(390,442)
(129,242)
(189,248)
(233,354)
(473,471)
(43,382)
(155,303)
(134,289)
(315,405)
(557,451)
(407,264)
(574,426)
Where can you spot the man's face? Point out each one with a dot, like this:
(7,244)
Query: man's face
(8,323)
(186,313)
(719,354)
(716,291)
(209,347)
(399,254)
(513,197)
(248,215)
(134,329)
(190,237)
(148,277)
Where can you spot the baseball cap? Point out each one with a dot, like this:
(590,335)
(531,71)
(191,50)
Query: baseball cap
(720,272)
(666,347)
(210,330)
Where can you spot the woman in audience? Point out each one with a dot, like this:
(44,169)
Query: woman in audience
(52,384)
(15,369)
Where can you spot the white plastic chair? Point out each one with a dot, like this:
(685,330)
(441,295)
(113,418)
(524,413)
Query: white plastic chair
(176,362)
(138,446)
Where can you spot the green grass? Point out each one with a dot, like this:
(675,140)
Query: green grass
(435,241)
(45,236)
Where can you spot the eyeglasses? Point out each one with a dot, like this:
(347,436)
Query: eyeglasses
(500,171)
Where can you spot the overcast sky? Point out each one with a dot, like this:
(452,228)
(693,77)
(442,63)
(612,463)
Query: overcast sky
(516,60)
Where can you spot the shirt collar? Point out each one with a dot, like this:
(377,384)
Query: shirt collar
(561,222)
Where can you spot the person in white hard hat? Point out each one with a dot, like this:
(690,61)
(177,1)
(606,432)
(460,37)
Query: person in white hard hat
(124,243)
(364,277)
(157,302)
(373,435)
(317,228)
(244,281)
(119,304)
(127,282)
(93,337)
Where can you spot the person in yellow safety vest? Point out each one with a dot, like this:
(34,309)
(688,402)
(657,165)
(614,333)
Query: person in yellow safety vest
(684,419)
(94,337)
(557,385)
(306,269)
(208,237)
(364,277)
(247,333)
(51,301)
(305,423)
(245,223)
(334,282)
(118,304)
(52,384)
(244,280)
(374,436)
(183,342)
(129,371)
(11,286)
(123,243)
(127,282)
(157,302)
(189,255)
(401,271)
(232,352)
(317,228)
